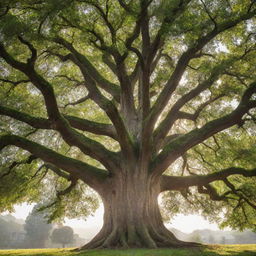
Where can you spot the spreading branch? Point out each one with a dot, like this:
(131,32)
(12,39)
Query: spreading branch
(184,182)
(109,87)
(35,122)
(175,113)
(182,63)
(73,138)
(105,104)
(179,146)
(91,175)
(75,122)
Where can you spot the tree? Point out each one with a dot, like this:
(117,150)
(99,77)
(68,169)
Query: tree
(63,235)
(10,227)
(5,234)
(133,98)
(37,229)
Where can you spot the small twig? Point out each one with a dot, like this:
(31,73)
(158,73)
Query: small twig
(87,97)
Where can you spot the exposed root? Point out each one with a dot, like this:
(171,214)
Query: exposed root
(141,237)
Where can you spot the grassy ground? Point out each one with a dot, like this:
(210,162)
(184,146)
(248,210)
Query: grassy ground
(213,250)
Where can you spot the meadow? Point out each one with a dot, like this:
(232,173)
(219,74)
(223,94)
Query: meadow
(211,250)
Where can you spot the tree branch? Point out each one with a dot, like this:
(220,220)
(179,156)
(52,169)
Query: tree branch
(106,20)
(179,146)
(170,17)
(195,115)
(91,175)
(72,137)
(109,87)
(105,104)
(182,63)
(28,160)
(164,127)
(82,100)
(36,122)
(184,182)
(93,127)
(31,61)
(57,171)
(75,122)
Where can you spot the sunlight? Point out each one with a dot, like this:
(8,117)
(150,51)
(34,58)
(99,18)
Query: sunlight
(184,223)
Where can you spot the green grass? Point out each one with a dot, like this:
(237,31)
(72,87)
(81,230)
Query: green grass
(211,250)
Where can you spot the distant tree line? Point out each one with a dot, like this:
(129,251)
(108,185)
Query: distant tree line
(207,236)
(35,233)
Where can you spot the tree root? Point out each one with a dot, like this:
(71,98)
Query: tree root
(141,237)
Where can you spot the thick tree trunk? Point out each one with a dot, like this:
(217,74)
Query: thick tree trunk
(132,217)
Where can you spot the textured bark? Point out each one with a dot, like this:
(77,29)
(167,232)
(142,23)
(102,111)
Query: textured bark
(132,218)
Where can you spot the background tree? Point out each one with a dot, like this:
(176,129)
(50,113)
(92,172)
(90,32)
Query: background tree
(37,229)
(5,234)
(62,235)
(132,98)
(12,233)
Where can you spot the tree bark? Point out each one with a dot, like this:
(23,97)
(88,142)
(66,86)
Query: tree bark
(132,218)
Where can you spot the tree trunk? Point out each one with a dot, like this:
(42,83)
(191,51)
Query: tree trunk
(132,217)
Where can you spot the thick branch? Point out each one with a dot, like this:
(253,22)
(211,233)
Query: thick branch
(165,126)
(105,104)
(75,122)
(36,122)
(109,87)
(180,183)
(91,175)
(31,61)
(91,126)
(179,146)
(71,136)
(182,63)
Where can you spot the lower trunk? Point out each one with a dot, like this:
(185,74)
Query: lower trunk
(132,218)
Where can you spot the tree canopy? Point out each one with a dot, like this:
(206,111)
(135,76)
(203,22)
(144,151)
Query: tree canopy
(130,99)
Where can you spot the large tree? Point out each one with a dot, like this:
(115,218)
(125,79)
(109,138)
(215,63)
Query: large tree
(132,98)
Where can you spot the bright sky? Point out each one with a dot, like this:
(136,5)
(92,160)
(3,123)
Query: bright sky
(181,222)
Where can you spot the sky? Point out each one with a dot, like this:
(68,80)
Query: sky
(181,222)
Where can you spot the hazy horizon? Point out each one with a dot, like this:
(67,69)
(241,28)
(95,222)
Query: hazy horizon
(185,224)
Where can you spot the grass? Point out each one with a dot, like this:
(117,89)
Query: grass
(211,250)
